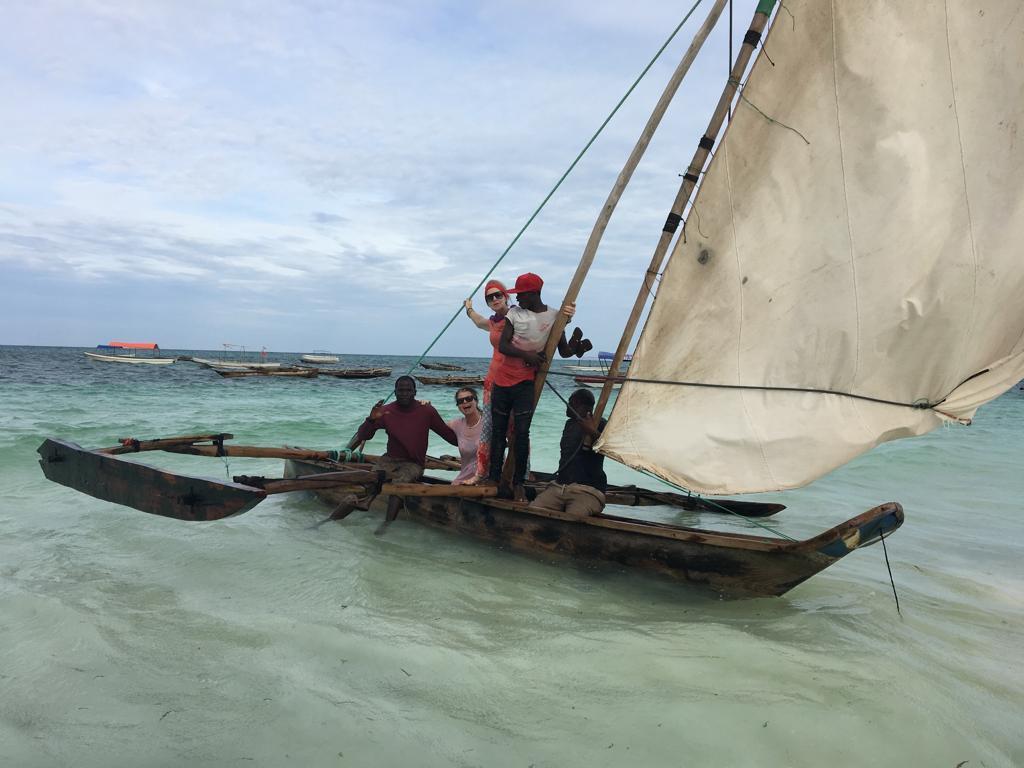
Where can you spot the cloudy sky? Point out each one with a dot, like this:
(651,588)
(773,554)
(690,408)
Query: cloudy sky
(326,174)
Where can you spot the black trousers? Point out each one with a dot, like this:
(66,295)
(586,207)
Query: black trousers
(505,401)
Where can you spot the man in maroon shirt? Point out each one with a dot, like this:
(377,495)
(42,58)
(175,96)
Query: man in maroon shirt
(407,423)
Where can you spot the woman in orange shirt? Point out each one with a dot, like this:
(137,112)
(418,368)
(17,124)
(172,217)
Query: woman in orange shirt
(496,297)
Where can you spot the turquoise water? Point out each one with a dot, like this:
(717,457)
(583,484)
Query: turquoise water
(132,640)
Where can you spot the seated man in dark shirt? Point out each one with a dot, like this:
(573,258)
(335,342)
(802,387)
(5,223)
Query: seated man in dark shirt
(408,424)
(580,484)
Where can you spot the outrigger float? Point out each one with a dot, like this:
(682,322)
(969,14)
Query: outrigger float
(733,564)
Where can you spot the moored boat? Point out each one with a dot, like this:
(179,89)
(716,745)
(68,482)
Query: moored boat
(442,366)
(356,373)
(596,382)
(127,352)
(295,373)
(320,357)
(208,362)
(452,381)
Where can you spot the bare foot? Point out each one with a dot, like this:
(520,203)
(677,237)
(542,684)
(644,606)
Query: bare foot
(519,493)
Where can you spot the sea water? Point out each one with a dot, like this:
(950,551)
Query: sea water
(133,640)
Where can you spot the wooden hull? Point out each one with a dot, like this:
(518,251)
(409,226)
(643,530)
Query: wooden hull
(442,367)
(293,374)
(732,564)
(127,359)
(239,364)
(356,373)
(452,381)
(595,382)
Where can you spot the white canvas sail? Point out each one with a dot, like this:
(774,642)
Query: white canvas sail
(866,239)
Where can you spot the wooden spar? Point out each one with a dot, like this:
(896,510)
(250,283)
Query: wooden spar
(131,445)
(439,489)
(186,444)
(700,157)
(619,187)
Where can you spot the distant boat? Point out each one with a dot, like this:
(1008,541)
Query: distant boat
(355,373)
(297,373)
(452,381)
(320,356)
(126,352)
(595,382)
(234,364)
(240,364)
(442,367)
(604,360)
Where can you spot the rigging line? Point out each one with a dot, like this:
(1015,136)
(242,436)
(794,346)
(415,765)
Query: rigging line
(728,70)
(919,405)
(891,580)
(687,491)
(739,90)
(569,170)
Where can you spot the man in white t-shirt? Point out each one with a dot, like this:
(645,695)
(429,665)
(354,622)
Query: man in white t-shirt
(523,339)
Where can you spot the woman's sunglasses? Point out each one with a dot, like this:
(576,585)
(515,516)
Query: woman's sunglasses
(464,400)
(493,296)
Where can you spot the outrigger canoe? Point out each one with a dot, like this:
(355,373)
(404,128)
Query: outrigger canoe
(733,564)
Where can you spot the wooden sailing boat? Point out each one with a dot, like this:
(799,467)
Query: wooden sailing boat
(855,279)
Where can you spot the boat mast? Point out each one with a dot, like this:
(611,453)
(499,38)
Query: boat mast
(620,185)
(690,178)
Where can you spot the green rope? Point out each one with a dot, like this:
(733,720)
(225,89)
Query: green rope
(557,185)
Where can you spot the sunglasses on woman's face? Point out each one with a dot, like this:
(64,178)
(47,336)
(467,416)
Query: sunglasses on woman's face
(494,296)
(464,400)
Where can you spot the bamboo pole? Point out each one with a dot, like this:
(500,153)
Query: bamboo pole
(700,158)
(186,444)
(620,185)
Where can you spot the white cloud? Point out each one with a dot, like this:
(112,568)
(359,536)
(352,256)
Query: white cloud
(380,150)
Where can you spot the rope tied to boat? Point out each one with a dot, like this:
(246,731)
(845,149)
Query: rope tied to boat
(346,455)
(881,535)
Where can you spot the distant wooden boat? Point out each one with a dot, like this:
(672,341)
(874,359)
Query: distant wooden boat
(127,352)
(442,366)
(233,364)
(296,373)
(595,382)
(603,362)
(355,373)
(452,381)
(320,357)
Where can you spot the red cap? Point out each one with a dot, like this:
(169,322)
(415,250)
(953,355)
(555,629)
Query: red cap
(528,283)
(496,285)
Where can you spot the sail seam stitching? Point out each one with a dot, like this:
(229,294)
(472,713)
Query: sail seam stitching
(849,223)
(965,345)
(724,150)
